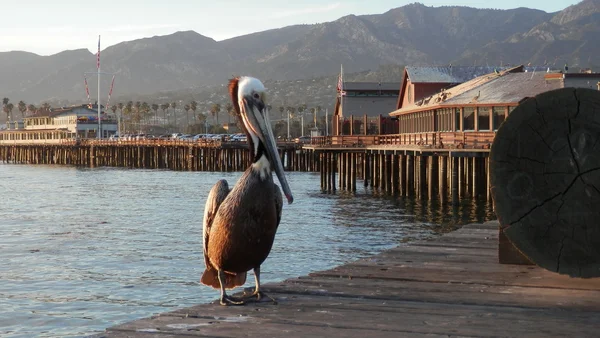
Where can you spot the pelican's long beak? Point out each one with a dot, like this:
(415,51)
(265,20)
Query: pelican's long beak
(256,119)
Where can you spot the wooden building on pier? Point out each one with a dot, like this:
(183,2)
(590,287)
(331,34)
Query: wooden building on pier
(420,82)
(368,99)
(467,115)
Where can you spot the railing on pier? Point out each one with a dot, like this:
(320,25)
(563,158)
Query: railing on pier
(467,140)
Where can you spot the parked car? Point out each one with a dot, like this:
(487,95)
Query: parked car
(239,138)
(302,139)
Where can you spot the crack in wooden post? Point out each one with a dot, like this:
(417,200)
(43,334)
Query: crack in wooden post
(545,179)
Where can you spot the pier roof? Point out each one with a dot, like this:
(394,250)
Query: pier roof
(41,112)
(448,74)
(355,86)
(509,86)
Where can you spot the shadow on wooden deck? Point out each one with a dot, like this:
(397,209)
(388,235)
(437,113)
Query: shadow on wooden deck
(452,285)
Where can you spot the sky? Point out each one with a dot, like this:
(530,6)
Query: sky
(48,27)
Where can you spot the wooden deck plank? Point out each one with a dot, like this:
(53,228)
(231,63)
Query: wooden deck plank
(354,315)
(451,285)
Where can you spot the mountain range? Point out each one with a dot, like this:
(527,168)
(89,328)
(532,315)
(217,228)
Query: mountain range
(414,34)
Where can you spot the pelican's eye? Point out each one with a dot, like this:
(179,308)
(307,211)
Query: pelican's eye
(256,96)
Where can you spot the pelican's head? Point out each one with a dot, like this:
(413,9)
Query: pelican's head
(249,95)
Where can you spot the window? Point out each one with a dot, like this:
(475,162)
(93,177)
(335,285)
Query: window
(409,90)
(457,119)
(498,116)
(469,118)
(483,118)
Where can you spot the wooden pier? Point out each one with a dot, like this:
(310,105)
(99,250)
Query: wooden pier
(153,154)
(451,285)
(407,170)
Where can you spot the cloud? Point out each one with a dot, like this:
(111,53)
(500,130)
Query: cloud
(309,10)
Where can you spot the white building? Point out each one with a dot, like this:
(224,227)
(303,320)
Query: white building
(57,125)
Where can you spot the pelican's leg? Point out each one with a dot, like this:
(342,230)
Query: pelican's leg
(225,299)
(259,294)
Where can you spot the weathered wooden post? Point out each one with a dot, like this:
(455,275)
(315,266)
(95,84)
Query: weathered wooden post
(545,177)
(366,172)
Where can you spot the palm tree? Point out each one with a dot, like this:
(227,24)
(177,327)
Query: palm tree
(128,111)
(164,107)
(187,115)
(193,107)
(230,112)
(137,114)
(215,109)
(281,110)
(174,105)
(318,110)
(22,108)
(31,109)
(301,108)
(4,109)
(145,107)
(9,108)
(155,109)
(46,106)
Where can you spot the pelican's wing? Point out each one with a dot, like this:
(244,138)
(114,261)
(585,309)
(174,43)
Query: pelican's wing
(215,197)
(278,202)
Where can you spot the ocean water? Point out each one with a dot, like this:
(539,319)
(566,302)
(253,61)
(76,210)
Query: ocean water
(84,249)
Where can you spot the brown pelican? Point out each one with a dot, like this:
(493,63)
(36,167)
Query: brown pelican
(240,224)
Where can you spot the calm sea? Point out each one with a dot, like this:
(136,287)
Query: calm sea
(85,249)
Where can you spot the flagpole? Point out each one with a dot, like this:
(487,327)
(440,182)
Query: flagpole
(99,105)
(97,73)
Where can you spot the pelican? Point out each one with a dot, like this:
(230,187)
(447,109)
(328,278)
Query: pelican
(240,224)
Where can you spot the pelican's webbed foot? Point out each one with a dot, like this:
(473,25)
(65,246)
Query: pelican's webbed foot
(259,295)
(225,298)
(229,300)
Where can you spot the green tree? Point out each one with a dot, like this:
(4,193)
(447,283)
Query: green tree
(187,115)
(31,108)
(5,109)
(155,109)
(145,107)
(230,112)
(128,112)
(9,108)
(46,106)
(215,109)
(174,105)
(193,107)
(164,107)
(22,106)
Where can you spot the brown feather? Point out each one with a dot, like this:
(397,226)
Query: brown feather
(210,277)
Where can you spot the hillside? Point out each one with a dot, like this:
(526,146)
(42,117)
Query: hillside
(414,34)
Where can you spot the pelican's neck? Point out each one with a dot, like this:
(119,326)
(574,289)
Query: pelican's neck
(262,166)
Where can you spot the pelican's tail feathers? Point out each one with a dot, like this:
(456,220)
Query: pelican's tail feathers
(210,277)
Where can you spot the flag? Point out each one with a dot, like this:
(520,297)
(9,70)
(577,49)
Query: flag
(340,85)
(87,90)
(112,83)
(98,55)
